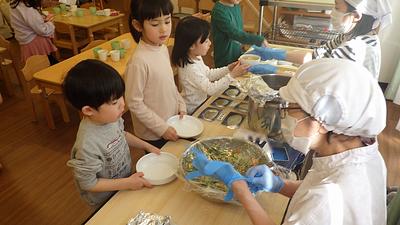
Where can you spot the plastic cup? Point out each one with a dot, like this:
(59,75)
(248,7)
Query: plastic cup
(115,55)
(126,43)
(122,53)
(102,54)
(56,10)
(63,7)
(95,52)
(79,12)
(107,12)
(92,10)
(115,45)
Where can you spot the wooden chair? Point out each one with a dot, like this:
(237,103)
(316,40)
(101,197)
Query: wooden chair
(34,64)
(65,36)
(8,65)
(93,44)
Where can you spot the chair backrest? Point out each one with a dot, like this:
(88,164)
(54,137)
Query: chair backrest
(6,44)
(34,64)
(93,44)
(63,30)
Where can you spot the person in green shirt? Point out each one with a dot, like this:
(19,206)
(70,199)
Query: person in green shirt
(227,32)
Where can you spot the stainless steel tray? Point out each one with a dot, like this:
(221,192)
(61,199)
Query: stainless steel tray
(221,102)
(233,120)
(209,114)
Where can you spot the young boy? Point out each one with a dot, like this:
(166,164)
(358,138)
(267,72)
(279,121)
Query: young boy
(227,32)
(100,157)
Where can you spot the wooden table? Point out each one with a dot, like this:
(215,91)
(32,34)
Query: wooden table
(53,76)
(174,199)
(91,22)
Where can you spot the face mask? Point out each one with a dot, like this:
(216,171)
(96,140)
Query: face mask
(337,18)
(301,144)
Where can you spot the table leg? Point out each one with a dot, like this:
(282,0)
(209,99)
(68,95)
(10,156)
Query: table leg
(120,27)
(6,77)
(90,34)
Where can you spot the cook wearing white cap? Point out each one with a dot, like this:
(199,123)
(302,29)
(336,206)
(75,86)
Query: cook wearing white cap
(358,22)
(337,109)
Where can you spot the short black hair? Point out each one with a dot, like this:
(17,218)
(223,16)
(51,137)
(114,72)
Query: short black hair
(92,83)
(363,26)
(188,31)
(142,10)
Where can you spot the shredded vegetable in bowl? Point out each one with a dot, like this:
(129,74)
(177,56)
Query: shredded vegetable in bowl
(240,153)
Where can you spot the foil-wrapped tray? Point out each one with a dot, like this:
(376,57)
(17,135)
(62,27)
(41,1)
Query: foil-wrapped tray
(232,92)
(145,218)
(241,153)
(209,114)
(243,107)
(221,102)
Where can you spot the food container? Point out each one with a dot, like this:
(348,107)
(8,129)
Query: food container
(209,114)
(250,59)
(232,92)
(233,120)
(241,153)
(264,111)
(242,107)
(221,102)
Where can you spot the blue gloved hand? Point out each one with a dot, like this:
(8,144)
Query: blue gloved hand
(268,53)
(261,178)
(262,69)
(223,171)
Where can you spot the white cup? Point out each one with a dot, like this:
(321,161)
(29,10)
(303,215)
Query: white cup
(115,55)
(73,8)
(126,43)
(102,55)
(107,12)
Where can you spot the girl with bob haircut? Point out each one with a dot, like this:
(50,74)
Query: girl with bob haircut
(197,79)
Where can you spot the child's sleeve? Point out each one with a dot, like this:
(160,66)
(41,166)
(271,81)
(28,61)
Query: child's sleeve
(217,73)
(222,20)
(181,103)
(85,164)
(36,22)
(135,81)
(200,80)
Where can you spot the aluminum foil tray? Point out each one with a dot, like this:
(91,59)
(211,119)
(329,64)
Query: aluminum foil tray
(221,102)
(232,92)
(209,114)
(233,120)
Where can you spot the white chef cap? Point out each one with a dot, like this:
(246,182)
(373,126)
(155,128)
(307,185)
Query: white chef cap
(341,94)
(379,9)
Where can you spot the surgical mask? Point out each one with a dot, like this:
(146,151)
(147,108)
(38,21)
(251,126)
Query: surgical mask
(301,144)
(337,18)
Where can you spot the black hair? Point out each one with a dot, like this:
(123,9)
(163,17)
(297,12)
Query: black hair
(92,83)
(188,31)
(363,26)
(37,4)
(142,10)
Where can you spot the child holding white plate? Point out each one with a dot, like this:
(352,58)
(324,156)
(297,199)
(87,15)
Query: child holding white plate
(197,79)
(100,157)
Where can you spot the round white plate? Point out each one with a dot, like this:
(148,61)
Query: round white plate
(158,169)
(186,127)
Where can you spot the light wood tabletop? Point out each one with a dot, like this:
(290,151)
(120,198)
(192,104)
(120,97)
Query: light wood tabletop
(90,22)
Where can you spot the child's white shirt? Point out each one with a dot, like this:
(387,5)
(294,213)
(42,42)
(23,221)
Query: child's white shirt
(199,81)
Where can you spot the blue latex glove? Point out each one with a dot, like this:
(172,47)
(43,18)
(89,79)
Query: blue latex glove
(261,178)
(223,171)
(262,69)
(268,53)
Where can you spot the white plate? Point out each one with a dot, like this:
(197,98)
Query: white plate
(158,169)
(186,127)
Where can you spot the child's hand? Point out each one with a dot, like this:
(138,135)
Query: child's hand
(136,181)
(49,18)
(170,134)
(265,43)
(153,149)
(181,114)
(239,70)
(232,65)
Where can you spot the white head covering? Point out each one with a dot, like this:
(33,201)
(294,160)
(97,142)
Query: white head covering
(341,94)
(380,9)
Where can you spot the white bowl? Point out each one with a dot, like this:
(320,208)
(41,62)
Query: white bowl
(187,127)
(158,169)
(249,59)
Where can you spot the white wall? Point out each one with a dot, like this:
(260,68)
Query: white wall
(390,44)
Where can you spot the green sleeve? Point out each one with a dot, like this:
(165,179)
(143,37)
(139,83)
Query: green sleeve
(223,22)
